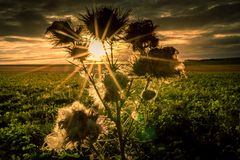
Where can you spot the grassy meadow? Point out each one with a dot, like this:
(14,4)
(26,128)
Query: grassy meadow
(194,118)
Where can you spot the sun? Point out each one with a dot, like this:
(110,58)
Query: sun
(97,50)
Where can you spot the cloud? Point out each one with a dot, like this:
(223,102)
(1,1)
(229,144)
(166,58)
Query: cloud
(30,18)
(23,23)
(23,50)
(200,28)
(223,14)
(211,46)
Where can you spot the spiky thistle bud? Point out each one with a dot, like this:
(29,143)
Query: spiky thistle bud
(113,83)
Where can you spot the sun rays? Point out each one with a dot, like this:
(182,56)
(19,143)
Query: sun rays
(104,28)
(98,50)
(76,70)
(36,69)
(115,80)
(102,77)
(86,79)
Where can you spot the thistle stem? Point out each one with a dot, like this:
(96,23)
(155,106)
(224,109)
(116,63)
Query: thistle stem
(96,89)
(119,130)
(104,47)
(111,53)
(95,150)
(141,100)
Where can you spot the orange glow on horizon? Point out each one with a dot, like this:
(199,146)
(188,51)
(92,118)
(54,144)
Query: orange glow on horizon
(29,50)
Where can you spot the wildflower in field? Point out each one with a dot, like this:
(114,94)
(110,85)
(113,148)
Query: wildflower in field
(159,62)
(74,124)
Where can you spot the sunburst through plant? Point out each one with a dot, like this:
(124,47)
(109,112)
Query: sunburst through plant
(106,27)
(98,50)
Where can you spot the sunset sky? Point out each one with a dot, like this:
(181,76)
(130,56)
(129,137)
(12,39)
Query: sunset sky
(197,28)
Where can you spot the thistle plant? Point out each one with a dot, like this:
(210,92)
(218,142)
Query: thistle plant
(74,124)
(116,106)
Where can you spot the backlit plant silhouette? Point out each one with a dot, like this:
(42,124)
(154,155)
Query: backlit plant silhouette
(117,120)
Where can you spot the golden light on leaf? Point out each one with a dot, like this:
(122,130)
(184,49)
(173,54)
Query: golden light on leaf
(97,50)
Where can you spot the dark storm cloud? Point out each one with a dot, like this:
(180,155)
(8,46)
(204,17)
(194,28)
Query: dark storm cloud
(16,14)
(24,18)
(223,14)
(30,18)
(212,46)
(231,40)
(21,22)
(222,41)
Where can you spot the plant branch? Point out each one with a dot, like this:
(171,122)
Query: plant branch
(95,150)
(119,130)
(141,100)
(111,48)
(104,47)
(96,89)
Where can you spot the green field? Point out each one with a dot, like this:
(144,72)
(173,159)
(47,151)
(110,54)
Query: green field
(193,118)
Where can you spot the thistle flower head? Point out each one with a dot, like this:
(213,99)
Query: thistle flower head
(161,62)
(74,124)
